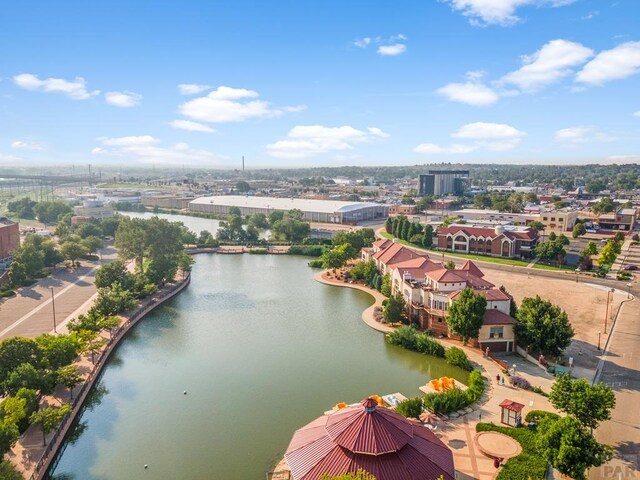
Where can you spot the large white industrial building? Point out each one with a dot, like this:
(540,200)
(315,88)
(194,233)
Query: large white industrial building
(322,211)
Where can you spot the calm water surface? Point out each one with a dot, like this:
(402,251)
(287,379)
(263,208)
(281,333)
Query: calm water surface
(261,348)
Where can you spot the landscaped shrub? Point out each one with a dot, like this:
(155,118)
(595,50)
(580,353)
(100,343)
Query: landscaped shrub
(411,407)
(520,382)
(456,356)
(530,464)
(540,415)
(258,251)
(429,346)
(446,402)
(476,386)
(316,264)
(403,337)
(308,250)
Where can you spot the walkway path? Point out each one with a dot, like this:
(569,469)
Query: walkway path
(30,312)
(459,433)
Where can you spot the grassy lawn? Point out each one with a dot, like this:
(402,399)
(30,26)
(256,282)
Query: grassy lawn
(470,256)
(567,268)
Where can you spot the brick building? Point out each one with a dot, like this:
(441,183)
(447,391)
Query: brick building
(501,241)
(9,237)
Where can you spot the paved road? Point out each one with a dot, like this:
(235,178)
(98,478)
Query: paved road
(621,370)
(30,312)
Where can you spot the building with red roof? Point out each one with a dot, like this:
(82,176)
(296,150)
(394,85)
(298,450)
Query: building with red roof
(372,438)
(502,241)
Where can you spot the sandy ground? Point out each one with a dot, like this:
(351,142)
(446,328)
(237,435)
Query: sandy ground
(585,303)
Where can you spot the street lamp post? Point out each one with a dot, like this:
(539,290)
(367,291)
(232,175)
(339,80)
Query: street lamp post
(599,334)
(629,285)
(53,304)
(514,369)
(606,312)
(577,273)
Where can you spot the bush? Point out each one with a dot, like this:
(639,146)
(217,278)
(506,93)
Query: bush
(307,250)
(530,464)
(476,386)
(446,402)
(541,415)
(520,382)
(411,407)
(8,471)
(316,264)
(258,251)
(429,346)
(455,356)
(624,276)
(403,337)
(6,293)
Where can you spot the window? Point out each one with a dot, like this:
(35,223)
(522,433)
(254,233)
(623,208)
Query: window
(544,218)
(496,332)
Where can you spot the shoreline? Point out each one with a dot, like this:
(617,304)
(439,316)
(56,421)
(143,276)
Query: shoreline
(52,450)
(367,314)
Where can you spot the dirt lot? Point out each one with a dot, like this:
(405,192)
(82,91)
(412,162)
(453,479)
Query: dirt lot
(584,303)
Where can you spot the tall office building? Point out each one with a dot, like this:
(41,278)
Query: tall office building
(443,182)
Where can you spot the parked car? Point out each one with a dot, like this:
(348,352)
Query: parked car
(631,267)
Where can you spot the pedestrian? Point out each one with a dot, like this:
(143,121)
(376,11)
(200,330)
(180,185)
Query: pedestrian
(502,380)
(498,379)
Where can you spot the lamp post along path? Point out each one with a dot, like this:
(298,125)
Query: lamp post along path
(53,305)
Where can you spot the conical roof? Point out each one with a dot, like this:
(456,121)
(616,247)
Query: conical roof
(375,439)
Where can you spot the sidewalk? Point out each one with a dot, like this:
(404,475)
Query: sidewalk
(30,312)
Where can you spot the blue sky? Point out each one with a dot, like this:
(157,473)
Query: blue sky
(315,83)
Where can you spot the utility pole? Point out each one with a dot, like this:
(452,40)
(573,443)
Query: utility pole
(53,304)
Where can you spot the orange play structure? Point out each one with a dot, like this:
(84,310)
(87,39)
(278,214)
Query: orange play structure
(442,384)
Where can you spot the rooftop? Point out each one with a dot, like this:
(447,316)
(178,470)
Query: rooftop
(275,203)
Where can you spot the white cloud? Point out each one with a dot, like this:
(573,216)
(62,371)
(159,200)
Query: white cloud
(75,89)
(392,50)
(227,104)
(472,93)
(123,99)
(192,88)
(362,42)
(145,149)
(548,65)
(312,140)
(192,126)
(498,12)
(637,114)
(481,136)
(18,144)
(620,62)
(582,135)
(620,159)
(433,149)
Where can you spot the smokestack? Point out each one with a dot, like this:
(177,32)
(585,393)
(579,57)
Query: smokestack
(243,164)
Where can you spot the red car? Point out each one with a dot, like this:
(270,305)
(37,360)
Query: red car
(631,267)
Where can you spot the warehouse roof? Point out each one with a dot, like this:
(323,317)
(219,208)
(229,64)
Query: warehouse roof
(273,203)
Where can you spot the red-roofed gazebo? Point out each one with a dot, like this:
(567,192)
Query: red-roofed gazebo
(375,439)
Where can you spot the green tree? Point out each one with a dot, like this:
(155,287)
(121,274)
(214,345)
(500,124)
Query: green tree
(450,265)
(92,243)
(427,236)
(17,273)
(385,285)
(591,248)
(394,308)
(571,449)
(466,314)
(552,237)
(619,237)
(563,240)
(291,227)
(70,377)
(27,376)
(113,300)
(589,404)
(16,351)
(90,343)
(51,255)
(604,205)
(71,251)
(578,230)
(48,418)
(550,250)
(114,272)
(89,229)
(608,253)
(337,256)
(109,226)
(243,187)
(57,350)
(130,240)
(109,323)
(543,327)
(536,225)
(8,437)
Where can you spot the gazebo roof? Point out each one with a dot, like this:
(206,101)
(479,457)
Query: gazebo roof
(372,438)
(511,405)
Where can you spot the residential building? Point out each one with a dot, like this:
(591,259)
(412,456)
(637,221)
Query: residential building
(443,182)
(622,219)
(506,241)
(323,211)
(429,289)
(559,220)
(9,238)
